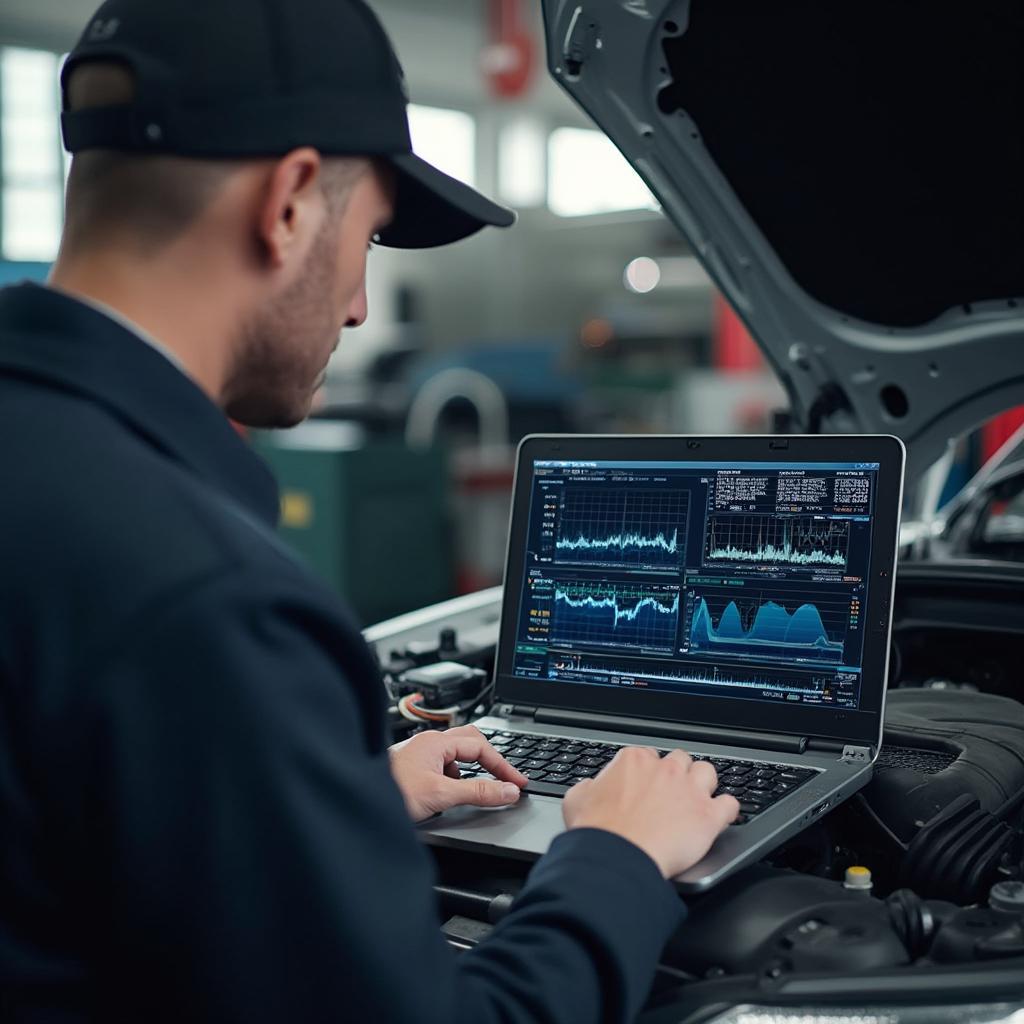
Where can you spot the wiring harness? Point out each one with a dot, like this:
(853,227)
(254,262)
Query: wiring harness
(439,695)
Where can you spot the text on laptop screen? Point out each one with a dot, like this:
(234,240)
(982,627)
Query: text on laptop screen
(744,580)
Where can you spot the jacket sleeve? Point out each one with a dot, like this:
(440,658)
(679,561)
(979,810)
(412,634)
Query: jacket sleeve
(242,854)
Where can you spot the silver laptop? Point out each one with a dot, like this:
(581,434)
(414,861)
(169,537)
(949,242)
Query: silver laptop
(730,596)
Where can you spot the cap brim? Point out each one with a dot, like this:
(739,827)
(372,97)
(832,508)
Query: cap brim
(432,208)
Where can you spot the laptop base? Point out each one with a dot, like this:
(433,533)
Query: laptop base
(527,829)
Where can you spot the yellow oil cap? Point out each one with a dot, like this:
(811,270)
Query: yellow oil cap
(857,877)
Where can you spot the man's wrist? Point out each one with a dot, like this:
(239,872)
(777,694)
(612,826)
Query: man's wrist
(596,841)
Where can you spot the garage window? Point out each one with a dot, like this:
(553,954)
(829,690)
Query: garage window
(32,166)
(587,174)
(445,138)
(522,162)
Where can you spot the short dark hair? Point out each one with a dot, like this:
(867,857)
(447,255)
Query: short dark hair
(151,197)
(155,196)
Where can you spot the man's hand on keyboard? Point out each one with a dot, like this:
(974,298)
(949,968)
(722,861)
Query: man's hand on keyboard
(663,805)
(425,769)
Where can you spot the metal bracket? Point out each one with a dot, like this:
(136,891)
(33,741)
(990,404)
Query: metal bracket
(580,39)
(856,755)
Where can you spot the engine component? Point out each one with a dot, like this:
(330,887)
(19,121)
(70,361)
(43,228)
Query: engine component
(1007,896)
(916,921)
(466,902)
(957,854)
(443,684)
(987,733)
(924,1012)
(945,829)
(979,933)
(776,922)
(858,879)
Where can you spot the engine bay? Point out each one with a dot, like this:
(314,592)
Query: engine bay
(915,880)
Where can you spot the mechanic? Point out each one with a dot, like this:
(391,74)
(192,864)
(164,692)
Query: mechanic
(201,817)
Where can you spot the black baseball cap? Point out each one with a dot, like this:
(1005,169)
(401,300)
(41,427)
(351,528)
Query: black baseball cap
(257,78)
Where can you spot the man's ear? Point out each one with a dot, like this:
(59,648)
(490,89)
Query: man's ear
(291,206)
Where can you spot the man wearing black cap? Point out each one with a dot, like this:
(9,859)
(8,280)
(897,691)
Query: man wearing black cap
(201,819)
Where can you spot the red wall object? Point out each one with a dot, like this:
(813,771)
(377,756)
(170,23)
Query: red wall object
(510,55)
(998,430)
(733,349)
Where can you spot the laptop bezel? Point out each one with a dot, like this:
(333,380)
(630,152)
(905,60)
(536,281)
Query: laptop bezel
(861,727)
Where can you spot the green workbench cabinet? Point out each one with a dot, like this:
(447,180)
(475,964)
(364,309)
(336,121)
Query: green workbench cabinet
(368,516)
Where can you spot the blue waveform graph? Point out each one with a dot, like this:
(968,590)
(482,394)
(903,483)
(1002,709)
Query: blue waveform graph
(619,615)
(633,527)
(799,541)
(766,630)
(622,543)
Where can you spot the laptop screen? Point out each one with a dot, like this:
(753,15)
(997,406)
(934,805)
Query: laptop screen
(731,579)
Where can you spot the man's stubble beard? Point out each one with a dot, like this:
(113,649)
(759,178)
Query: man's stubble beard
(281,349)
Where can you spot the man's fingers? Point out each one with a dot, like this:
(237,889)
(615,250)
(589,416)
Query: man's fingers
(480,793)
(679,755)
(498,766)
(572,798)
(627,753)
(706,776)
(727,807)
(467,743)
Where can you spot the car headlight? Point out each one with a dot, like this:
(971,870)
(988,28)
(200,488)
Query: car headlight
(986,1013)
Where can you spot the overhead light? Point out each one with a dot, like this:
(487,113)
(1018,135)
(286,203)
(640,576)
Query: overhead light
(642,275)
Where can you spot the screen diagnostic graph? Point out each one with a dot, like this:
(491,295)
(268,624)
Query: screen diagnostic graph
(796,626)
(612,614)
(622,526)
(787,541)
(731,680)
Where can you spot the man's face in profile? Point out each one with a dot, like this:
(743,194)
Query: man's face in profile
(285,347)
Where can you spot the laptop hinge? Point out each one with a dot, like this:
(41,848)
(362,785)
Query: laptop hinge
(514,710)
(670,730)
(828,746)
(853,754)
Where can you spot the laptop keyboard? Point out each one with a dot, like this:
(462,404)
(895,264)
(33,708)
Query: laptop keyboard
(553,764)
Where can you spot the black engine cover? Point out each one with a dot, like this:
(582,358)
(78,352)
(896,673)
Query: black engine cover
(766,920)
(987,732)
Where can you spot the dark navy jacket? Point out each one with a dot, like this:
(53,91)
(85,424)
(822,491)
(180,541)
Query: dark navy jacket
(197,821)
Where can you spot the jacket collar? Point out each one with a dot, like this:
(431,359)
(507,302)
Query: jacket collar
(57,340)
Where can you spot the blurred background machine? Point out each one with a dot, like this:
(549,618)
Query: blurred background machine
(368,515)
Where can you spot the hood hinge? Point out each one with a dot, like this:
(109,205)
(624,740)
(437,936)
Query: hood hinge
(580,39)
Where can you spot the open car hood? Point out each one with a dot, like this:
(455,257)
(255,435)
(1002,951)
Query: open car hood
(850,175)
